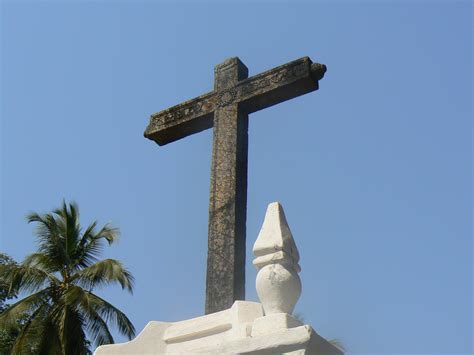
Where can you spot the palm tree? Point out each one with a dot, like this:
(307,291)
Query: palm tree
(65,315)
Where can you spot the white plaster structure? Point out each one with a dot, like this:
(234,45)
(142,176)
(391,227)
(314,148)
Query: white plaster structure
(246,327)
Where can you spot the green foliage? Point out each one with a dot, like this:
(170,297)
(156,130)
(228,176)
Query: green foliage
(5,293)
(64,315)
(8,336)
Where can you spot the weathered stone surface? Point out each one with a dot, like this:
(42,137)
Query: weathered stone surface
(226,109)
(228,198)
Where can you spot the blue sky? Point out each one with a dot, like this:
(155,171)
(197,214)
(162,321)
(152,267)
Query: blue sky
(374,170)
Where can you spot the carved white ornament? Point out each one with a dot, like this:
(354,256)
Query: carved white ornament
(276,257)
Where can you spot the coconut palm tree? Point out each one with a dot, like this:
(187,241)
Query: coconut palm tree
(65,315)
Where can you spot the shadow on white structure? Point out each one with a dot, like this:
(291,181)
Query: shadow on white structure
(246,327)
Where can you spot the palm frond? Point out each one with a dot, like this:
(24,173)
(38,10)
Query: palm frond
(91,244)
(71,326)
(40,261)
(109,233)
(26,305)
(25,278)
(78,299)
(51,238)
(48,341)
(103,273)
(68,221)
(110,313)
(88,233)
(31,332)
(89,301)
(98,329)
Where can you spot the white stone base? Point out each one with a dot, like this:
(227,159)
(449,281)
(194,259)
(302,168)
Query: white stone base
(241,329)
(273,323)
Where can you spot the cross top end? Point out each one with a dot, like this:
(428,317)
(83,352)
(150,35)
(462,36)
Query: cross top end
(229,62)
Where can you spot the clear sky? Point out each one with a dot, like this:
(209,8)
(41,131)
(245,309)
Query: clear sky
(373,170)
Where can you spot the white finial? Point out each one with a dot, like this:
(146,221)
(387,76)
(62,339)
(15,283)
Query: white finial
(278,283)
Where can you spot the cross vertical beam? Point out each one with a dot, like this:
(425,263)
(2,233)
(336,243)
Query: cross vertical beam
(225,280)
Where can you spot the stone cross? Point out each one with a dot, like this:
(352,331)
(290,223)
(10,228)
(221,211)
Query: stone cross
(226,108)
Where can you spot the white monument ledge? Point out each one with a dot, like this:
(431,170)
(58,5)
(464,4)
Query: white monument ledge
(247,327)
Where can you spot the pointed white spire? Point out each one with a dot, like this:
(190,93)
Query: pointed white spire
(275,241)
(278,283)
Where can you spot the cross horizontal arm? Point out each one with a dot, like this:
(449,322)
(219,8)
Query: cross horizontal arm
(179,121)
(279,84)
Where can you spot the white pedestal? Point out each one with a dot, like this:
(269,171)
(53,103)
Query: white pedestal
(242,329)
